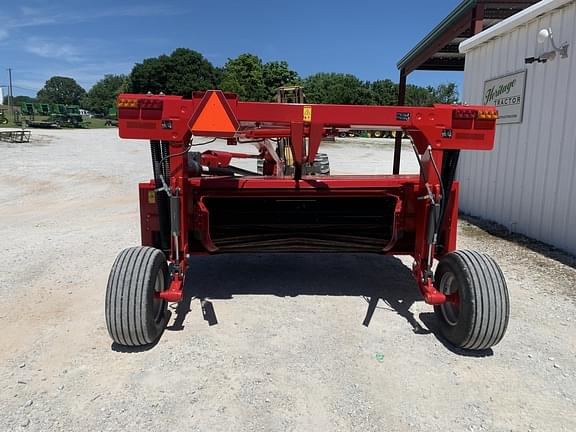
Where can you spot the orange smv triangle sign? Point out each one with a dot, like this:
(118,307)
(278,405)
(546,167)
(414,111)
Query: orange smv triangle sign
(213,117)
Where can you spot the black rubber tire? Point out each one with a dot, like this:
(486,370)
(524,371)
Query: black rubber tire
(134,316)
(483,310)
(321,164)
(260,166)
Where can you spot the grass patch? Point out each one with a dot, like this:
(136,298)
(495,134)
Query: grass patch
(95,123)
(88,123)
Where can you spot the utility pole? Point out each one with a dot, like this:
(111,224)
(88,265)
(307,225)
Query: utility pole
(11,95)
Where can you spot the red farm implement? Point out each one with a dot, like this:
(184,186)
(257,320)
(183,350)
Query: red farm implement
(200,204)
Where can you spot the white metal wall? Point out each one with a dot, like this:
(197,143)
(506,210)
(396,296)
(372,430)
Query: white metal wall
(528,182)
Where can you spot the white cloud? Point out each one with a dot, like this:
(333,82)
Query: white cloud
(30,86)
(53,49)
(29,11)
(31,17)
(80,58)
(85,74)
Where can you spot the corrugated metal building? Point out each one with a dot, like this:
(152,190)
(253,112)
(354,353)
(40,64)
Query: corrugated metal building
(528,183)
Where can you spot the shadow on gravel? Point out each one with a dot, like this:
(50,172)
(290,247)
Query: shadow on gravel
(128,349)
(429,319)
(497,230)
(372,277)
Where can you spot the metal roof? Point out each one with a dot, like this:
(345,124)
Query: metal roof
(438,50)
(519,19)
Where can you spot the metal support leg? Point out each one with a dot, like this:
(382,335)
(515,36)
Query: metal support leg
(398,137)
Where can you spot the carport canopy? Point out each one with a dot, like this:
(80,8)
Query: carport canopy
(438,50)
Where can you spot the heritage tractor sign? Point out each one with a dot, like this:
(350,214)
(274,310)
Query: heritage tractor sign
(507,93)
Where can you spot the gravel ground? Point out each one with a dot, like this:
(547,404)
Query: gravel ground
(278,343)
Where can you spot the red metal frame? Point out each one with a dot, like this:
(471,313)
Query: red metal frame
(434,131)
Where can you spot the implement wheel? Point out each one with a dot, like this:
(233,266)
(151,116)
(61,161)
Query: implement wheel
(321,164)
(134,316)
(475,316)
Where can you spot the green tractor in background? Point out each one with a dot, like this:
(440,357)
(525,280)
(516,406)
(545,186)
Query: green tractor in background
(66,115)
(51,116)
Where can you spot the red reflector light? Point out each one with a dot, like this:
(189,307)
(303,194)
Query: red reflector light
(464,114)
(151,104)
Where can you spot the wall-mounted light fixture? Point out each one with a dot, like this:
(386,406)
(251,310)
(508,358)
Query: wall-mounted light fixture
(545,35)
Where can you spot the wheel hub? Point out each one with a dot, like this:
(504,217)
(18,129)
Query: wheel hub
(159,286)
(450,309)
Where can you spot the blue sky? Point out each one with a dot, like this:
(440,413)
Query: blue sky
(85,40)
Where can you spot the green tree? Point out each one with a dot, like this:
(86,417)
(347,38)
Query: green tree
(102,96)
(385,92)
(337,88)
(244,76)
(179,73)
(61,90)
(425,96)
(446,93)
(419,96)
(19,100)
(277,74)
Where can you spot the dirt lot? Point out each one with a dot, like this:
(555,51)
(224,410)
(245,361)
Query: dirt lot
(285,342)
